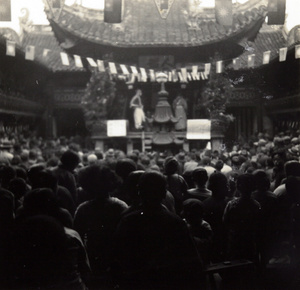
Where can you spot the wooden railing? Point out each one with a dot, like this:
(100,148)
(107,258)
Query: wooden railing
(19,106)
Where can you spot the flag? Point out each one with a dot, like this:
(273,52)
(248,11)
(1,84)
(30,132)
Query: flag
(276,12)
(266,57)
(143,74)
(175,77)
(78,61)
(236,63)
(207,68)
(184,74)
(112,67)
(134,70)
(45,52)
(101,66)
(223,12)
(219,66)
(195,74)
(170,79)
(251,60)
(180,77)
(10,48)
(91,62)
(282,54)
(297,51)
(5,10)
(152,75)
(29,54)
(124,69)
(203,76)
(64,58)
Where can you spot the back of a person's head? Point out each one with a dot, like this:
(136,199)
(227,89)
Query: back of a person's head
(70,159)
(132,182)
(124,167)
(218,184)
(33,171)
(40,247)
(52,162)
(40,201)
(18,187)
(45,179)
(205,161)
(262,182)
(200,176)
(152,187)
(192,210)
(219,165)
(7,173)
(97,180)
(171,165)
(133,156)
(245,184)
(292,168)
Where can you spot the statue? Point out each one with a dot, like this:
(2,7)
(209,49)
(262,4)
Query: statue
(180,109)
(138,113)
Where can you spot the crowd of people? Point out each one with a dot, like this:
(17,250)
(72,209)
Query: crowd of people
(76,218)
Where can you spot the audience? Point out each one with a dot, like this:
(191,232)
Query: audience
(78,217)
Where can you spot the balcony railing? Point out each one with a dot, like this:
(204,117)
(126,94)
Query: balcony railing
(19,106)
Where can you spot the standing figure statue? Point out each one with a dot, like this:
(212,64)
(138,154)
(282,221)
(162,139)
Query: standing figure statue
(180,109)
(138,113)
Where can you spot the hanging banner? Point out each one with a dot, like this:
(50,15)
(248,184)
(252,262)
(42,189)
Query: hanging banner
(207,68)
(297,51)
(124,69)
(219,66)
(198,129)
(10,48)
(266,57)
(64,58)
(101,66)
(29,53)
(78,61)
(236,63)
(91,62)
(112,68)
(251,60)
(282,54)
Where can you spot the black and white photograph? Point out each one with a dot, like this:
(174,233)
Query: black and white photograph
(150,144)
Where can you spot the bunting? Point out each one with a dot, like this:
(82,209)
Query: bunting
(78,61)
(64,58)
(10,48)
(122,71)
(282,54)
(266,57)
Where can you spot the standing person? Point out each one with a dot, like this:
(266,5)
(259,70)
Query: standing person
(138,113)
(180,109)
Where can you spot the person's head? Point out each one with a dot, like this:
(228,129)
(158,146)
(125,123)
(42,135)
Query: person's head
(138,92)
(219,165)
(41,201)
(97,180)
(7,173)
(205,161)
(200,176)
(124,167)
(46,179)
(292,168)
(171,165)
(192,211)
(132,182)
(152,187)
(18,187)
(262,182)
(92,159)
(245,185)
(70,160)
(33,173)
(218,184)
